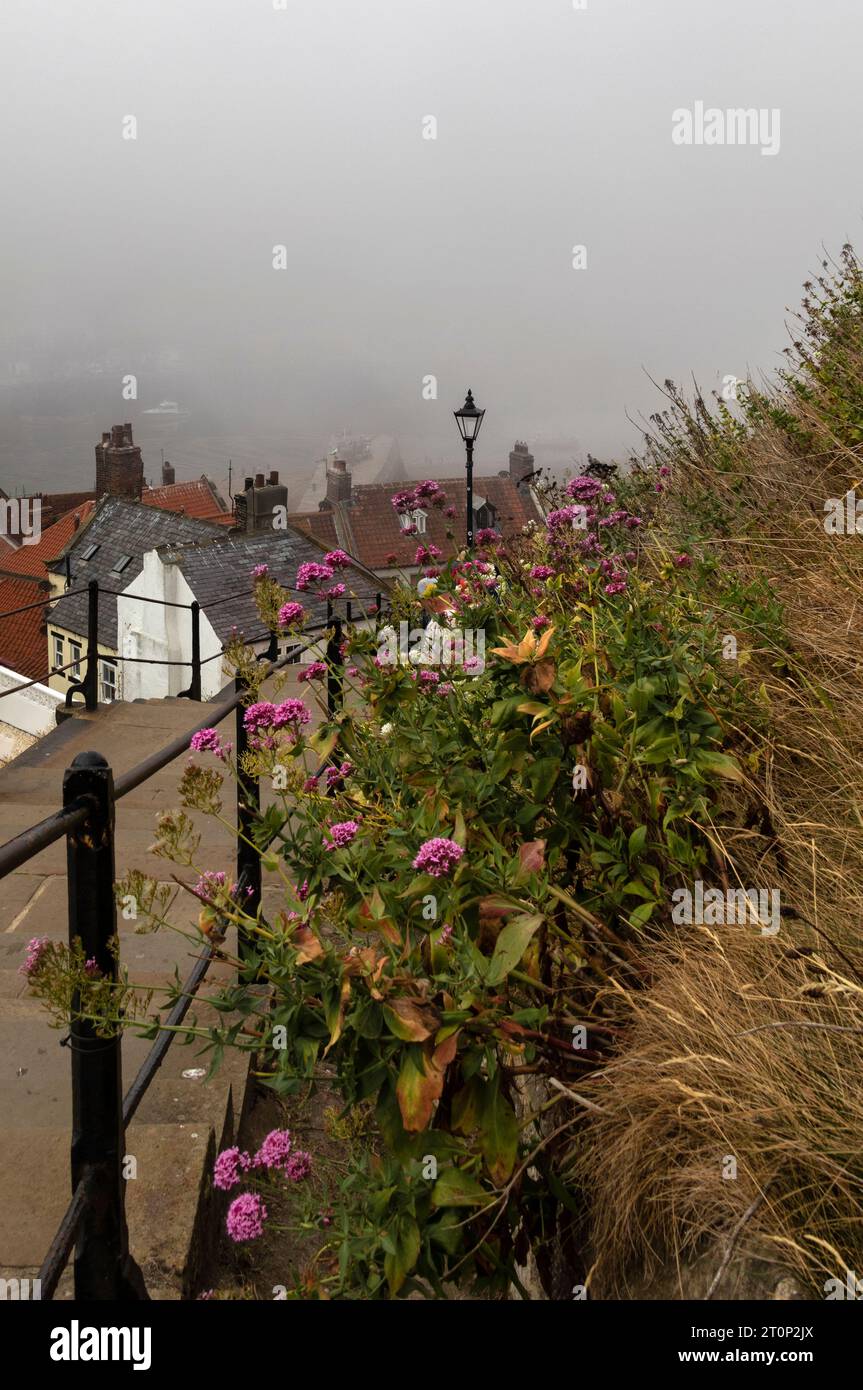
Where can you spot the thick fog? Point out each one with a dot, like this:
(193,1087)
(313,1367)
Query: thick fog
(306,125)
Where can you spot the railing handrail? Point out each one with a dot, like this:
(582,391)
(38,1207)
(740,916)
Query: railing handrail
(40,603)
(97,1209)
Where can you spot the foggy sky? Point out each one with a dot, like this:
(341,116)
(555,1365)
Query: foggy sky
(406,257)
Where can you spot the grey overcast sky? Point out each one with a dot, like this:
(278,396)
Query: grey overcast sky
(302,124)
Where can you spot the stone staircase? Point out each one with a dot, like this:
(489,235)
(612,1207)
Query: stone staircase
(182,1120)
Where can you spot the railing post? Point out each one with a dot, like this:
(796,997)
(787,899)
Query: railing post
(248,805)
(194,690)
(104,1268)
(91,680)
(334,658)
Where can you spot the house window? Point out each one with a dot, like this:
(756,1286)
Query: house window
(75,655)
(58,648)
(89,552)
(417,519)
(120,564)
(107,682)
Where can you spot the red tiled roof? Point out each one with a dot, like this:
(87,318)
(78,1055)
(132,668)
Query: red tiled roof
(197,498)
(34,559)
(369,528)
(56,504)
(321,525)
(23,643)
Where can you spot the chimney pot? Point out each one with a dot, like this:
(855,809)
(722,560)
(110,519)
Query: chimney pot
(274,478)
(247,483)
(259,480)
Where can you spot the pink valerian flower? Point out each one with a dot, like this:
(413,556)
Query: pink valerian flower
(311,572)
(445,688)
(449,512)
(584,488)
(429,678)
(343,833)
(542,572)
(274,1151)
(210,741)
(298,1166)
(487,535)
(260,571)
(438,856)
(683,561)
(212,884)
(229,1167)
(335,592)
(313,672)
(337,559)
(617,586)
(91,969)
(445,933)
(303,890)
(334,775)
(207,1293)
(290,614)
(411,529)
(290,714)
(352,671)
(37,947)
(246,1217)
(664,471)
(310,784)
(539,622)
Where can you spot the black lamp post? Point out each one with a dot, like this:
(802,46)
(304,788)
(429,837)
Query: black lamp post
(469,419)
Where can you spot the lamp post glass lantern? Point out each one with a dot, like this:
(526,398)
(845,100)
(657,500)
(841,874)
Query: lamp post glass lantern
(469,419)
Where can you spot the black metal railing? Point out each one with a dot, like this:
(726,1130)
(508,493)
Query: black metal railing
(88,685)
(95,1220)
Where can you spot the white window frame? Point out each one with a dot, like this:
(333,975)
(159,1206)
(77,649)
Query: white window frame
(75,650)
(58,642)
(417,519)
(107,689)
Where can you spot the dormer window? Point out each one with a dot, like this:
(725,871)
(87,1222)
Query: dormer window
(484,514)
(417,519)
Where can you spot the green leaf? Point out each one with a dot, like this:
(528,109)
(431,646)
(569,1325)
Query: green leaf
(455,1188)
(498,1133)
(637,840)
(706,760)
(511,946)
(406,1249)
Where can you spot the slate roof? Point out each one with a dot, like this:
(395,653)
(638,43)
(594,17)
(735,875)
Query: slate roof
(23,641)
(369,528)
(223,567)
(120,527)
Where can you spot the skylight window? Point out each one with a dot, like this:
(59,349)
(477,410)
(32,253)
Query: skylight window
(89,552)
(120,565)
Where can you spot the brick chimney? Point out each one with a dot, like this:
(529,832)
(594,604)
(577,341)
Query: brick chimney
(167,474)
(119,466)
(255,505)
(338,483)
(521,462)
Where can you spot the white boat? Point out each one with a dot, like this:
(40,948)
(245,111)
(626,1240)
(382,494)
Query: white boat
(166,408)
